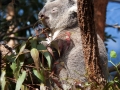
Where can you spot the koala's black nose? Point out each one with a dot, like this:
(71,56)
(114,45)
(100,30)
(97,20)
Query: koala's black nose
(40,16)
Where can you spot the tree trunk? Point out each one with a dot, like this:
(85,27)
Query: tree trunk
(89,41)
(100,16)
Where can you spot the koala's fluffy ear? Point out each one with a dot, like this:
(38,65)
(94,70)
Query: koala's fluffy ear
(73,5)
(73,8)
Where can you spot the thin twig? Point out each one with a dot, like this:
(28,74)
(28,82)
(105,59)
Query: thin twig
(17,38)
(114,26)
(113,68)
(19,30)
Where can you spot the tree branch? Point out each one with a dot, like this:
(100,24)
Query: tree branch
(17,38)
(16,31)
(114,26)
(113,68)
(22,29)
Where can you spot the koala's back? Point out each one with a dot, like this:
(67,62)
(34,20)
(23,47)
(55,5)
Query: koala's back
(73,57)
(74,69)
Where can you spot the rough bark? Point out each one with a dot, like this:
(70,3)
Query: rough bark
(100,16)
(89,40)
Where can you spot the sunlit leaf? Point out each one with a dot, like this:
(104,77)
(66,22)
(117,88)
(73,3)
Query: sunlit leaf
(35,55)
(2,80)
(20,80)
(22,47)
(13,66)
(42,86)
(113,54)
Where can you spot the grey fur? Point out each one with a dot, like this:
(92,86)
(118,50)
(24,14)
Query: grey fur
(58,9)
(62,16)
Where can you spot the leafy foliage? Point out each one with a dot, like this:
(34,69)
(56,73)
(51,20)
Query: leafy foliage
(27,64)
(113,54)
(113,84)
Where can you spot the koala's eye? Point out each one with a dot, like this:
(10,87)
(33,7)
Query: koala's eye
(54,10)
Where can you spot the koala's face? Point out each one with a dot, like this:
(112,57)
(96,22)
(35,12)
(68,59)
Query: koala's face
(59,13)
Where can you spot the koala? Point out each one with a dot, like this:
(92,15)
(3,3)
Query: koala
(61,17)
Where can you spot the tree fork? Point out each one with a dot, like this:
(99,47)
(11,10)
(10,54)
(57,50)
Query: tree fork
(89,41)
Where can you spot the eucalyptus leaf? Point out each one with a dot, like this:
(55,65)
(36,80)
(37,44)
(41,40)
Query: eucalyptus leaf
(35,55)
(39,75)
(113,54)
(46,54)
(2,80)
(16,66)
(20,80)
(13,67)
(10,58)
(33,42)
(21,49)
(108,85)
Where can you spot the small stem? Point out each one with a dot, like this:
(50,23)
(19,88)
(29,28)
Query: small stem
(114,66)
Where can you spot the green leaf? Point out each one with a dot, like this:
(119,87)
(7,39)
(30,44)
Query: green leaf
(21,49)
(16,68)
(113,54)
(10,58)
(117,82)
(13,67)
(39,75)
(46,54)
(2,80)
(20,80)
(35,55)
(108,85)
(33,42)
